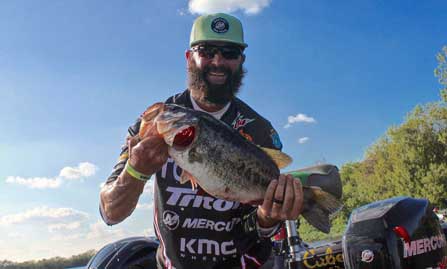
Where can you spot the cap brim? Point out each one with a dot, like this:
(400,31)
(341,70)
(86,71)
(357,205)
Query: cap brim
(244,45)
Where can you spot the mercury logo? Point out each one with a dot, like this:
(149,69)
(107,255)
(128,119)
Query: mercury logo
(217,226)
(171,219)
(424,245)
(367,256)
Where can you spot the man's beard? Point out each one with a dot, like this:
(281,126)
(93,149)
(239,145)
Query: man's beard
(213,94)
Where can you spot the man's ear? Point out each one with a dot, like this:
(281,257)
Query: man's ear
(187,54)
(243,58)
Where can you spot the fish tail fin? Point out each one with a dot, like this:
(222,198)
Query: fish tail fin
(320,208)
(318,218)
(326,201)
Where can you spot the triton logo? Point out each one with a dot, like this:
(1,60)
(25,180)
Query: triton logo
(186,197)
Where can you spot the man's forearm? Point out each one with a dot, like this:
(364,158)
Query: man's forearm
(120,197)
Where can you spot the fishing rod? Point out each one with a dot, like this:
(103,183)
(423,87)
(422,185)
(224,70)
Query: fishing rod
(296,247)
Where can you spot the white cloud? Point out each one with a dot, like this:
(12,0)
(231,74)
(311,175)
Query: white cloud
(182,11)
(149,232)
(44,214)
(145,206)
(299,118)
(303,140)
(64,226)
(100,231)
(228,6)
(67,237)
(93,234)
(147,195)
(149,187)
(84,169)
(36,182)
(16,235)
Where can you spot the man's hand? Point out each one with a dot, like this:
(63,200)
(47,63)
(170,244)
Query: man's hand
(120,197)
(149,154)
(283,201)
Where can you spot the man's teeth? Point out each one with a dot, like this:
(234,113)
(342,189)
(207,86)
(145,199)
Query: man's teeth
(217,74)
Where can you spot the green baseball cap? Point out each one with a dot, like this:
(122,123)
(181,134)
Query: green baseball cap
(217,27)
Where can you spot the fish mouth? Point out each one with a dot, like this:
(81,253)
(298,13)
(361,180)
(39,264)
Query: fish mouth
(178,129)
(184,137)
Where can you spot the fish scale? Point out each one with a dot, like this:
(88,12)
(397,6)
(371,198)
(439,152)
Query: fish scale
(222,168)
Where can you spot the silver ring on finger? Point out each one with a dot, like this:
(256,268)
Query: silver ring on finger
(277,201)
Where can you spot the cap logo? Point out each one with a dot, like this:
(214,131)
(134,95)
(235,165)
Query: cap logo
(220,25)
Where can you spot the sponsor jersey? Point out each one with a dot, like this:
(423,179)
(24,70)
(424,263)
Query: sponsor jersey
(197,230)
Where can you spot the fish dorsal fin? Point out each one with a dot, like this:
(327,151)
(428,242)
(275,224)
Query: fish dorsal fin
(280,158)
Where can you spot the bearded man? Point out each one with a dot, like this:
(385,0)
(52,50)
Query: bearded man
(197,230)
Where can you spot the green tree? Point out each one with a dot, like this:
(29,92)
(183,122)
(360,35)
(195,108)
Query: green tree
(441,71)
(408,160)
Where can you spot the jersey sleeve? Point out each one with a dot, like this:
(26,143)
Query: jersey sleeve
(271,139)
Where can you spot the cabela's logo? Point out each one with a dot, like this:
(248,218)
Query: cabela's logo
(327,259)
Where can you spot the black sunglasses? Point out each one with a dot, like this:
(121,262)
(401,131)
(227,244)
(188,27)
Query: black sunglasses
(228,52)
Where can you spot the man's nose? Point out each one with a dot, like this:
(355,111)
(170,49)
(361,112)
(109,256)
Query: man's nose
(218,59)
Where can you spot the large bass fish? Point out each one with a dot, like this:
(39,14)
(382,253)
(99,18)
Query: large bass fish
(225,164)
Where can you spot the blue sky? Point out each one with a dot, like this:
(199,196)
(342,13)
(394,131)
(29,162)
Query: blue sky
(331,76)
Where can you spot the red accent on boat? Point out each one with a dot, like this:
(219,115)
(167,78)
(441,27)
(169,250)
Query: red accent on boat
(402,233)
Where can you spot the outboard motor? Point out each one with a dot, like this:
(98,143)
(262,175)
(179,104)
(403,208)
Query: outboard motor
(397,233)
(128,253)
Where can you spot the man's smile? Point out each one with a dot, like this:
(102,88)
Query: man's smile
(216,77)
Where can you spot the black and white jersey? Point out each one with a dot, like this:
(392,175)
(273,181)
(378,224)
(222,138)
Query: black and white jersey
(197,230)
